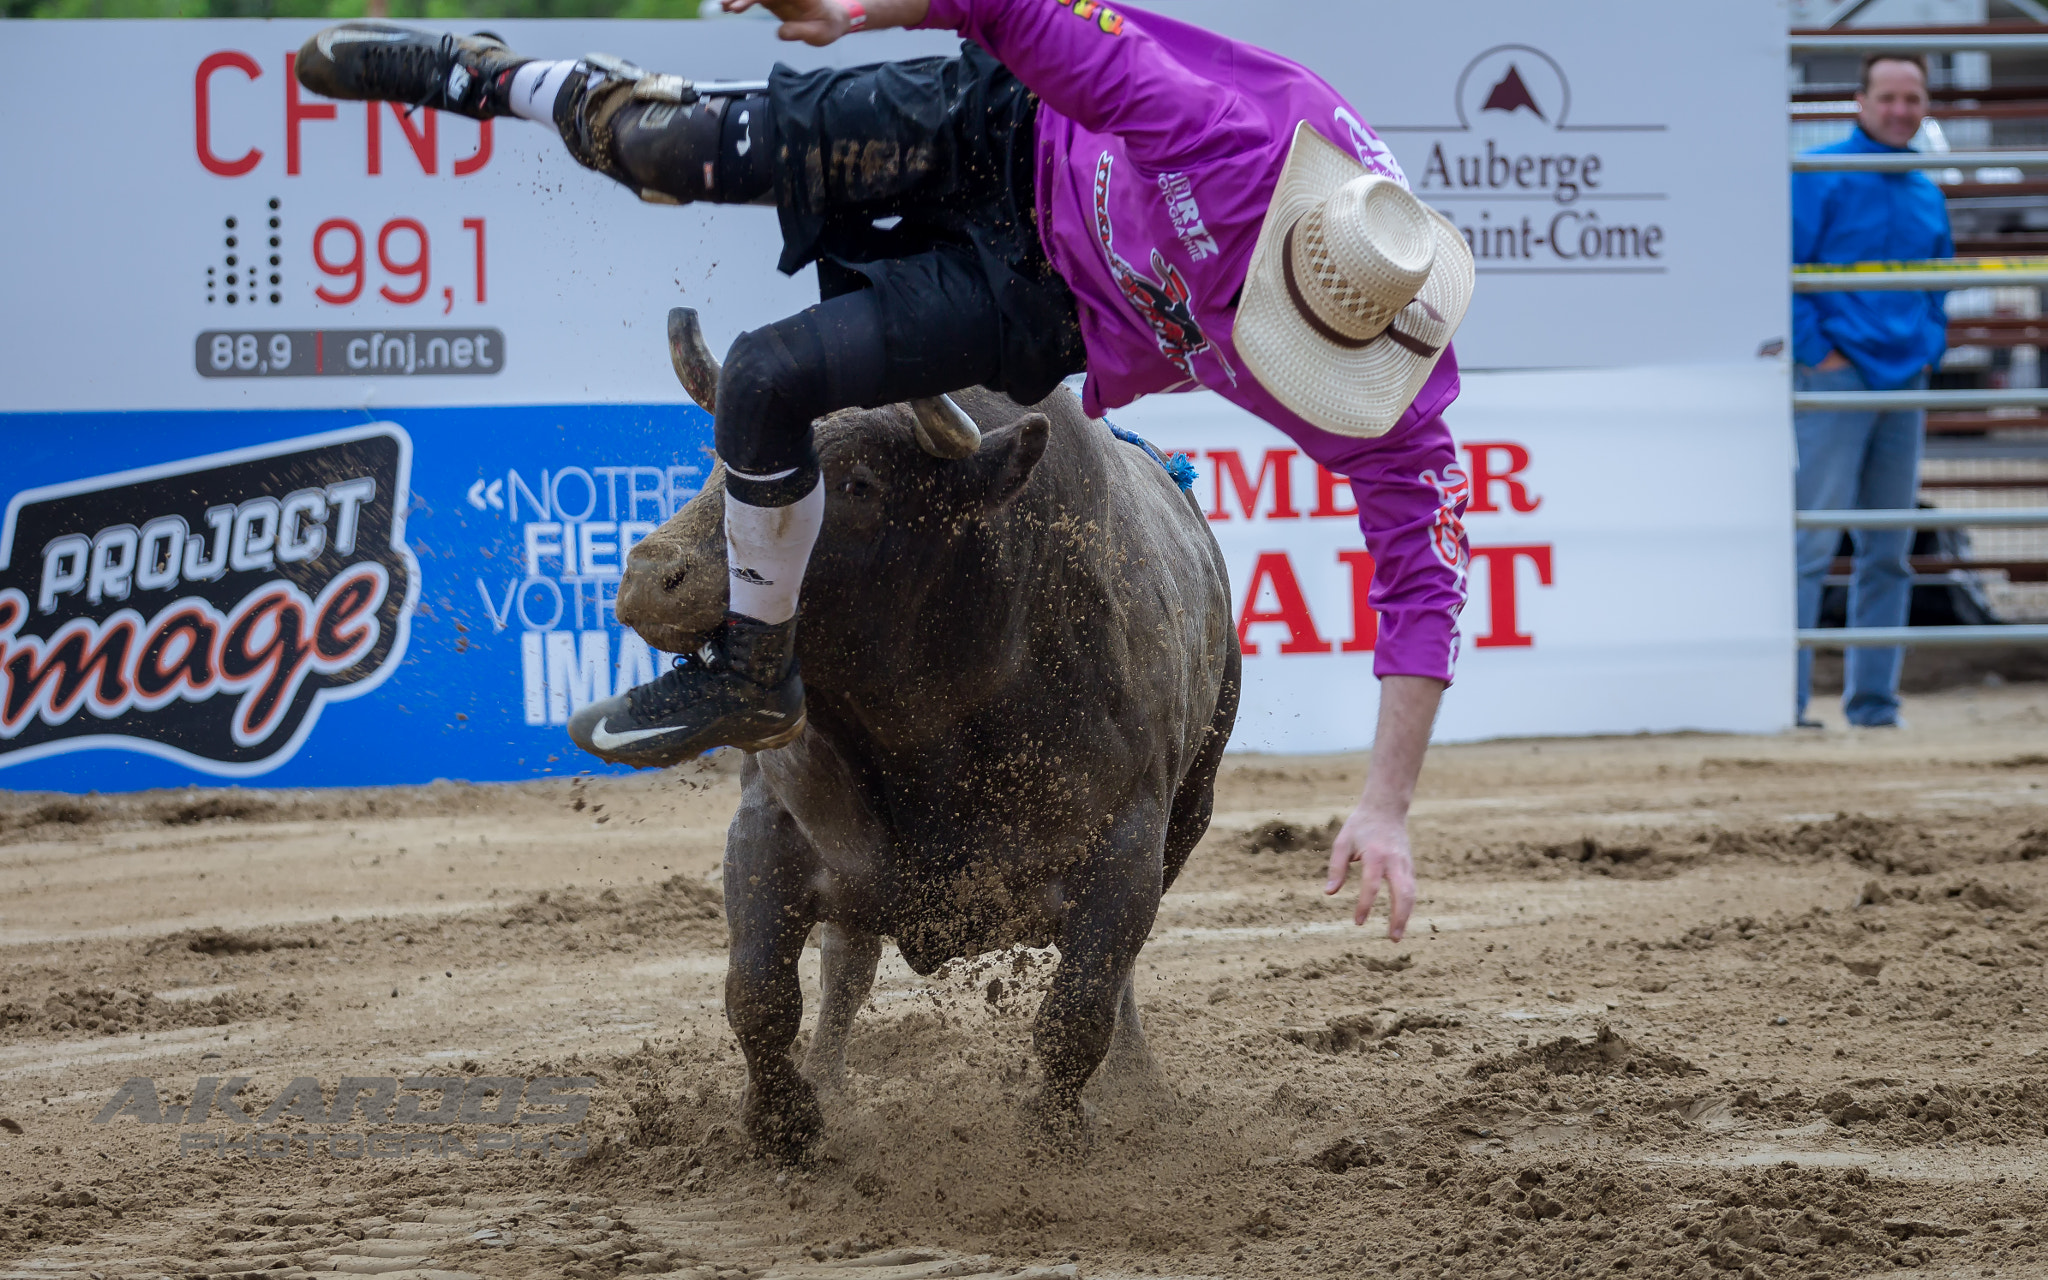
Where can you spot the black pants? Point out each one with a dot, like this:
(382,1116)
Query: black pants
(952,289)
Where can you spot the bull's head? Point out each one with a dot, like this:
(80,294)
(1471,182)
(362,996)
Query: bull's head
(900,483)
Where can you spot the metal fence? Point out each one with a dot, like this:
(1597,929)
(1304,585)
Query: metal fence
(1961,273)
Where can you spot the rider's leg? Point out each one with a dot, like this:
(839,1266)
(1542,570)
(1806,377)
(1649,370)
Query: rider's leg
(654,133)
(743,689)
(535,86)
(775,382)
(663,141)
(930,324)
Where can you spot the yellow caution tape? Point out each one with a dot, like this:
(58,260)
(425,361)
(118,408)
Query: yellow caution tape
(1958,266)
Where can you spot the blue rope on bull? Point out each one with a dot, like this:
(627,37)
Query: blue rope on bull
(1180,466)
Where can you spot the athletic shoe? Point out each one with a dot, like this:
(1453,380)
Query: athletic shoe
(740,690)
(379,61)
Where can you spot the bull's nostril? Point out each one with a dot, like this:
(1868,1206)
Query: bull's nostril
(674,577)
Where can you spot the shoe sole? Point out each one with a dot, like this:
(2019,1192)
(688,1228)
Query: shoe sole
(668,760)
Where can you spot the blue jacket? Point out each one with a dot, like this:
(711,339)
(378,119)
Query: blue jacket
(1866,217)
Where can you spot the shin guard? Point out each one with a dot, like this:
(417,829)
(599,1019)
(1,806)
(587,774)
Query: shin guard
(659,136)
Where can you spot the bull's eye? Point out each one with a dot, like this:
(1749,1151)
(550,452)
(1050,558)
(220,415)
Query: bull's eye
(859,484)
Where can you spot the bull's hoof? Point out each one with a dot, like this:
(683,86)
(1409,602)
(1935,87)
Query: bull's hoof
(788,1128)
(1130,1062)
(828,1078)
(1065,1121)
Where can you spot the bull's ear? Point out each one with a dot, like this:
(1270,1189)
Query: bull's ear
(1004,462)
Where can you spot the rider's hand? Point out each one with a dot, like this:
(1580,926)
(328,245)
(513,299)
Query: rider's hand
(814,22)
(1380,846)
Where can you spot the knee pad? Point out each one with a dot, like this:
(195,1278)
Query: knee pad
(780,378)
(771,388)
(657,135)
(669,151)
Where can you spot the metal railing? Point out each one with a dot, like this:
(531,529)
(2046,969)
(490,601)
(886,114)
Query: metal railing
(1932,637)
(1926,518)
(1999,398)
(1921,276)
(1849,42)
(1907,161)
(1937,273)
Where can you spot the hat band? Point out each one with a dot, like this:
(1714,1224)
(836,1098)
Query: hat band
(1322,327)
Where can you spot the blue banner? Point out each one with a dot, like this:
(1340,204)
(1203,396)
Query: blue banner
(323,597)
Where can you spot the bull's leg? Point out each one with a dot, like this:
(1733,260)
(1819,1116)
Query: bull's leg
(848,961)
(769,913)
(1128,1054)
(1110,913)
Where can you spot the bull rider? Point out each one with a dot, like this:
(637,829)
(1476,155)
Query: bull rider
(1085,188)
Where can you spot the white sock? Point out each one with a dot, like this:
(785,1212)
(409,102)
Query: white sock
(766,549)
(534,88)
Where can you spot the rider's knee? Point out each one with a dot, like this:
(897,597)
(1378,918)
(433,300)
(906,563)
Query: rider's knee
(769,390)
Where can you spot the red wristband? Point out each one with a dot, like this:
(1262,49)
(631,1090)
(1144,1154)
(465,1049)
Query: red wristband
(856,14)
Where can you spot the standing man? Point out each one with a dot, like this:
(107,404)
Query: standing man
(1083,188)
(1866,458)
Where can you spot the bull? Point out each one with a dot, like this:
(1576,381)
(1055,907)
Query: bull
(1020,669)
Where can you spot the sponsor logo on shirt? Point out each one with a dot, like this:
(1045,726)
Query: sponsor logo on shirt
(1446,529)
(1187,216)
(1372,153)
(1162,299)
(1105,19)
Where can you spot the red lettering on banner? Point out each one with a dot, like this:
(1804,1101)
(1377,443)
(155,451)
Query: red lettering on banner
(202,113)
(1328,486)
(345,627)
(81,660)
(263,650)
(424,140)
(476,227)
(1291,611)
(296,111)
(1278,463)
(178,655)
(1485,475)
(1503,628)
(1365,620)
(417,267)
(482,156)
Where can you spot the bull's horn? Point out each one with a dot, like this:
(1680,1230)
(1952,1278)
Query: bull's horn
(696,367)
(943,430)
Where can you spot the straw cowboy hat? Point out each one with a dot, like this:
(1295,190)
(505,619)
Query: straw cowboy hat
(1354,292)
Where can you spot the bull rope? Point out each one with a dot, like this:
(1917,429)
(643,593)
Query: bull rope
(1180,466)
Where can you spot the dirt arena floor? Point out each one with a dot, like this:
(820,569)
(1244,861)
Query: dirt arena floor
(1671,1006)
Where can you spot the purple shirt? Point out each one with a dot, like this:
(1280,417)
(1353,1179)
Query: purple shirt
(1159,145)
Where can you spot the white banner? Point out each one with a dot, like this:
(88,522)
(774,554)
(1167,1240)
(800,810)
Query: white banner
(210,238)
(1624,207)
(210,197)
(1629,553)
(1623,210)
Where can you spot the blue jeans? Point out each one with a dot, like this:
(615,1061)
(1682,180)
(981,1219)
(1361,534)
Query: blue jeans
(1858,460)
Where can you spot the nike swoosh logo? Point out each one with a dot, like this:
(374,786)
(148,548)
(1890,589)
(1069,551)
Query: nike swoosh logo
(328,39)
(600,737)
